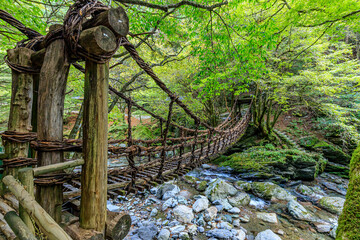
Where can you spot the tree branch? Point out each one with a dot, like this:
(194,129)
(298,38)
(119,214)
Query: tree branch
(166,8)
(332,21)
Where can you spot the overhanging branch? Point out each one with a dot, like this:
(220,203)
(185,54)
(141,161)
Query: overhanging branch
(166,8)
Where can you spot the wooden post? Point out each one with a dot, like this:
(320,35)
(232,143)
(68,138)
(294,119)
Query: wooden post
(52,86)
(94,171)
(20,106)
(20,229)
(117,225)
(115,19)
(5,229)
(47,225)
(26,178)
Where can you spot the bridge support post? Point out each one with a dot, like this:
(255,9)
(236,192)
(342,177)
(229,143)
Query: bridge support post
(95,147)
(20,106)
(52,86)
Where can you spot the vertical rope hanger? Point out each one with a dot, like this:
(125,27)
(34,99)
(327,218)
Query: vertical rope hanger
(197,123)
(130,143)
(181,150)
(165,132)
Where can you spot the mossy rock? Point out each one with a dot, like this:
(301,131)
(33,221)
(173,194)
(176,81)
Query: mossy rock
(190,179)
(288,163)
(337,169)
(271,191)
(201,186)
(308,142)
(332,204)
(332,153)
(243,186)
(220,159)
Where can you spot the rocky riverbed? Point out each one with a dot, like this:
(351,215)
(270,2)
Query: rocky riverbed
(214,202)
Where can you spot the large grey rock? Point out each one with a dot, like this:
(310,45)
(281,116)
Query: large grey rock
(210,213)
(333,232)
(267,217)
(225,225)
(167,191)
(311,192)
(267,235)
(154,212)
(220,233)
(192,228)
(200,205)
(240,199)
(332,204)
(183,214)
(299,212)
(170,203)
(220,189)
(147,231)
(177,229)
(234,210)
(224,203)
(323,227)
(271,191)
(241,235)
(184,236)
(164,234)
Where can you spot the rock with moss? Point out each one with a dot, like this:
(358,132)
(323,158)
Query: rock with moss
(299,212)
(287,163)
(239,200)
(332,152)
(337,169)
(332,204)
(201,186)
(220,159)
(220,189)
(311,192)
(243,186)
(308,142)
(349,220)
(271,191)
(190,179)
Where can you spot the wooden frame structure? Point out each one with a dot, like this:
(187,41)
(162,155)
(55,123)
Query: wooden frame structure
(98,36)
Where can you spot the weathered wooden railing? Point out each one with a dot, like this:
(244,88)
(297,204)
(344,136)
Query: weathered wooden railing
(46,223)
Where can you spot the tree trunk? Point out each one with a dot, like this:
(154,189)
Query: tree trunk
(20,106)
(53,77)
(94,171)
(349,220)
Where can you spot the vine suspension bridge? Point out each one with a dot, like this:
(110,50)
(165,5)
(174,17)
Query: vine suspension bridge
(149,162)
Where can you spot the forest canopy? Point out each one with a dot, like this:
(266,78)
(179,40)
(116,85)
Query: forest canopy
(293,54)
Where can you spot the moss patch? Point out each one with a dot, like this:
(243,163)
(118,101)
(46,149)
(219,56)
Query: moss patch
(290,163)
(349,221)
(331,152)
(308,142)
